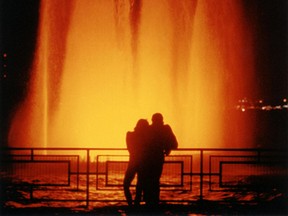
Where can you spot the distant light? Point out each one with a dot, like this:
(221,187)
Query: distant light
(260,101)
(268,107)
(5,55)
(285,100)
(243,109)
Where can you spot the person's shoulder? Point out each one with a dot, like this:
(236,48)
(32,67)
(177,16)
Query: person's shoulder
(167,127)
(129,134)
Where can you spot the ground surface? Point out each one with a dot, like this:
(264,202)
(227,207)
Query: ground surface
(279,207)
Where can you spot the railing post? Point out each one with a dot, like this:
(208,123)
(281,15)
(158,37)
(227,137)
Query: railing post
(201,174)
(31,192)
(31,186)
(87,177)
(258,155)
(78,172)
(97,172)
(210,173)
(32,154)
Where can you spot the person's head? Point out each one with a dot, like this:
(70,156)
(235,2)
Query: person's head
(141,124)
(157,119)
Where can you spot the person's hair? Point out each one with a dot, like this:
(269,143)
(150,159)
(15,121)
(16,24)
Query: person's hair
(157,118)
(142,123)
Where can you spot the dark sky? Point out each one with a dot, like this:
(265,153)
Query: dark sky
(18,26)
(269,19)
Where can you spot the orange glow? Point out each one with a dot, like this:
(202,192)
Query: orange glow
(102,65)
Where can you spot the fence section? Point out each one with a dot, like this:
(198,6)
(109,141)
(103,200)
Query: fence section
(96,175)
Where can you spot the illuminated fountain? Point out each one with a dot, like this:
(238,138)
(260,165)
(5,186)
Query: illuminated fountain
(101,65)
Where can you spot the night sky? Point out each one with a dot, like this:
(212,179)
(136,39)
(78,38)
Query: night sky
(18,27)
(270,18)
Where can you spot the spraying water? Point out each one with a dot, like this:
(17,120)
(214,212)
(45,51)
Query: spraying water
(101,65)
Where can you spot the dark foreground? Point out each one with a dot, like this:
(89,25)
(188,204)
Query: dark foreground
(279,207)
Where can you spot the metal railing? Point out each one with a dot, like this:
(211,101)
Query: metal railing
(96,174)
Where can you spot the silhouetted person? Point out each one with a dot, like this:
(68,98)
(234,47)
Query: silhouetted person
(161,141)
(136,142)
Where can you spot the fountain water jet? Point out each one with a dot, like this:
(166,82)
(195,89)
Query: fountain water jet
(102,65)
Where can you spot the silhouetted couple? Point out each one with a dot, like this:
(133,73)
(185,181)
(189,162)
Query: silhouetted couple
(147,145)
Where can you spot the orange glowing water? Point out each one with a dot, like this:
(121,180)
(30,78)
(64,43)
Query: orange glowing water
(101,65)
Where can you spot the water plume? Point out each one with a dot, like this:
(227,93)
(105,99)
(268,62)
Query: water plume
(101,65)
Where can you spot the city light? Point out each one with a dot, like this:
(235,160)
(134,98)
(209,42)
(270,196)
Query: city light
(260,104)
